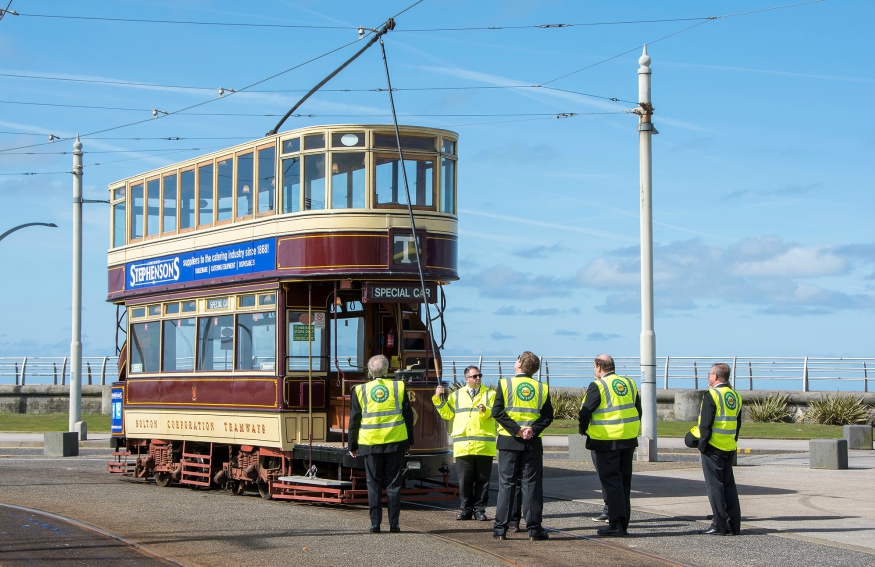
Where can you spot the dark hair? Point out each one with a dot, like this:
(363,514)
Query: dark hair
(721,371)
(465,373)
(605,363)
(529,363)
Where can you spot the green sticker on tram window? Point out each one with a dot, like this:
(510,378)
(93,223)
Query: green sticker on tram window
(300,333)
(525,392)
(730,400)
(379,393)
(620,387)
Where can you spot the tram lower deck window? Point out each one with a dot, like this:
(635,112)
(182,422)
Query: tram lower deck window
(256,341)
(179,340)
(215,338)
(145,347)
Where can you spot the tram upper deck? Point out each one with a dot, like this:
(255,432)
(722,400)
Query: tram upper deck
(316,202)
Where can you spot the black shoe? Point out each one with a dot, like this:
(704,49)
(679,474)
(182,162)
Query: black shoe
(735,533)
(712,530)
(464,516)
(539,535)
(612,531)
(601,518)
(395,529)
(499,536)
(481,516)
(374,529)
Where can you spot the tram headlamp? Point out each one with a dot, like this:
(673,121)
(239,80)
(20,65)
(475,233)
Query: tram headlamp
(413,465)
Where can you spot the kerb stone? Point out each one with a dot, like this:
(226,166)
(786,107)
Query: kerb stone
(858,436)
(829,454)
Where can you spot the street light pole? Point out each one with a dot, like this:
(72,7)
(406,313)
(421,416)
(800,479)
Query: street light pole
(76,342)
(648,336)
(25,225)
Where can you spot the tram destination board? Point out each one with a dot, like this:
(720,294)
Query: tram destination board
(397,293)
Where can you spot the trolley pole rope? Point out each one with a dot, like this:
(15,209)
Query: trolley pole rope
(412,221)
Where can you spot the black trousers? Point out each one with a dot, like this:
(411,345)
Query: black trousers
(592,455)
(528,468)
(516,506)
(383,470)
(474,472)
(722,492)
(615,474)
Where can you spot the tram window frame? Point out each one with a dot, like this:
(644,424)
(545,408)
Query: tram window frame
(119,233)
(292,197)
(135,340)
(132,190)
(238,191)
(177,322)
(306,190)
(338,144)
(221,162)
(164,177)
(246,298)
(383,141)
(191,213)
(451,206)
(319,336)
(210,208)
(152,190)
(269,181)
(408,157)
(311,141)
(171,308)
(201,352)
(452,151)
(290,146)
(238,342)
(267,299)
(349,193)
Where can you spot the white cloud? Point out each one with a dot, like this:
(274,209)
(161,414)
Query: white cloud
(797,262)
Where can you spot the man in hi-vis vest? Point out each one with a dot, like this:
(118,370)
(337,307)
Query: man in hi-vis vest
(610,417)
(381,429)
(717,439)
(522,410)
(470,409)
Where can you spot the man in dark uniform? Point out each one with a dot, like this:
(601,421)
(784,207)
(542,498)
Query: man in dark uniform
(717,432)
(610,417)
(381,429)
(522,410)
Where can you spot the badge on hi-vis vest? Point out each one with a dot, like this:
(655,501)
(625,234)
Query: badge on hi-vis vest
(620,387)
(730,400)
(525,392)
(380,393)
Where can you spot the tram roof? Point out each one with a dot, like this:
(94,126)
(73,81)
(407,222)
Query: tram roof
(407,128)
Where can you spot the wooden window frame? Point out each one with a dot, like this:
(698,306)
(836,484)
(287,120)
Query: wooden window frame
(130,213)
(435,188)
(276,191)
(197,195)
(253,189)
(165,175)
(146,208)
(179,172)
(232,157)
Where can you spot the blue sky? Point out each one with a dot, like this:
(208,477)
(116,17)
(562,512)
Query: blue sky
(763,172)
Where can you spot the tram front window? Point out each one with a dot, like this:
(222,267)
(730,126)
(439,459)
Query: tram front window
(301,336)
(256,341)
(348,180)
(145,347)
(314,182)
(179,337)
(215,343)
(390,181)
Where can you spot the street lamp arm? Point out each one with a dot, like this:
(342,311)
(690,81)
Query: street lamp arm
(19,227)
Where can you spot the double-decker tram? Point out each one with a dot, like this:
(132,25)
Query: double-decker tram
(254,283)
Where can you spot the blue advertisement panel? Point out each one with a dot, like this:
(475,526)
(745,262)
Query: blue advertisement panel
(230,260)
(116,410)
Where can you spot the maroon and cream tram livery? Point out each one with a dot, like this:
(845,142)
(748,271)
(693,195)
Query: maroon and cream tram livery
(254,283)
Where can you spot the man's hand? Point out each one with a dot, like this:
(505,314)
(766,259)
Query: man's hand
(526,433)
(481,407)
(353,454)
(439,391)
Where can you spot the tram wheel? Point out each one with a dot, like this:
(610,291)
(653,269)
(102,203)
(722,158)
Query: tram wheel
(163,479)
(264,490)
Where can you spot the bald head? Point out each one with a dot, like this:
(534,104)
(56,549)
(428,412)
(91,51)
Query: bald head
(604,364)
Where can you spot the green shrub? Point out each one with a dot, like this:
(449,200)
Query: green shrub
(838,410)
(771,410)
(566,405)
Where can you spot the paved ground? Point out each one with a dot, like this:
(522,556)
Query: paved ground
(792,516)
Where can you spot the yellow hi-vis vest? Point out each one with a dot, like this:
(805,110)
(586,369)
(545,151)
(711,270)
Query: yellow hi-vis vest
(523,399)
(473,430)
(728,403)
(382,422)
(616,417)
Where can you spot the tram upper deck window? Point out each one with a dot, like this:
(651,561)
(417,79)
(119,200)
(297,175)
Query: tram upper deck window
(292,184)
(153,203)
(215,340)
(145,346)
(314,142)
(390,181)
(224,189)
(348,180)
(314,182)
(256,341)
(423,143)
(303,334)
(245,185)
(179,341)
(187,200)
(291,146)
(169,198)
(266,180)
(119,220)
(205,195)
(448,185)
(348,140)
(449,147)
(137,204)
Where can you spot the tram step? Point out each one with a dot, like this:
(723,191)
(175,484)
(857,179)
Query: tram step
(195,469)
(296,479)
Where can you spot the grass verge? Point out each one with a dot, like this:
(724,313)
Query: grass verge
(49,422)
(748,429)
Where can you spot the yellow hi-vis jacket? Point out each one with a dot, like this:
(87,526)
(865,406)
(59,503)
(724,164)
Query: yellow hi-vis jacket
(616,417)
(382,422)
(473,431)
(728,404)
(523,399)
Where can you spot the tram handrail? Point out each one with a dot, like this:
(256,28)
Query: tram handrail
(798,373)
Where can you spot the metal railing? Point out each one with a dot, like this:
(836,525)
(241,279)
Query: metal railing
(800,373)
(764,373)
(21,371)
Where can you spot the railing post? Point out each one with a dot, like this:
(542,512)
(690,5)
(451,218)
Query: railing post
(695,376)
(547,369)
(54,373)
(543,362)
(64,372)
(455,380)
(734,360)
(805,375)
(665,375)
(23,369)
(480,365)
(499,370)
(88,366)
(865,378)
(105,358)
(750,375)
(16,372)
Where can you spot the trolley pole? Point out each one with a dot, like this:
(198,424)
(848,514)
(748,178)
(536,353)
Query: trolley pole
(76,342)
(648,336)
